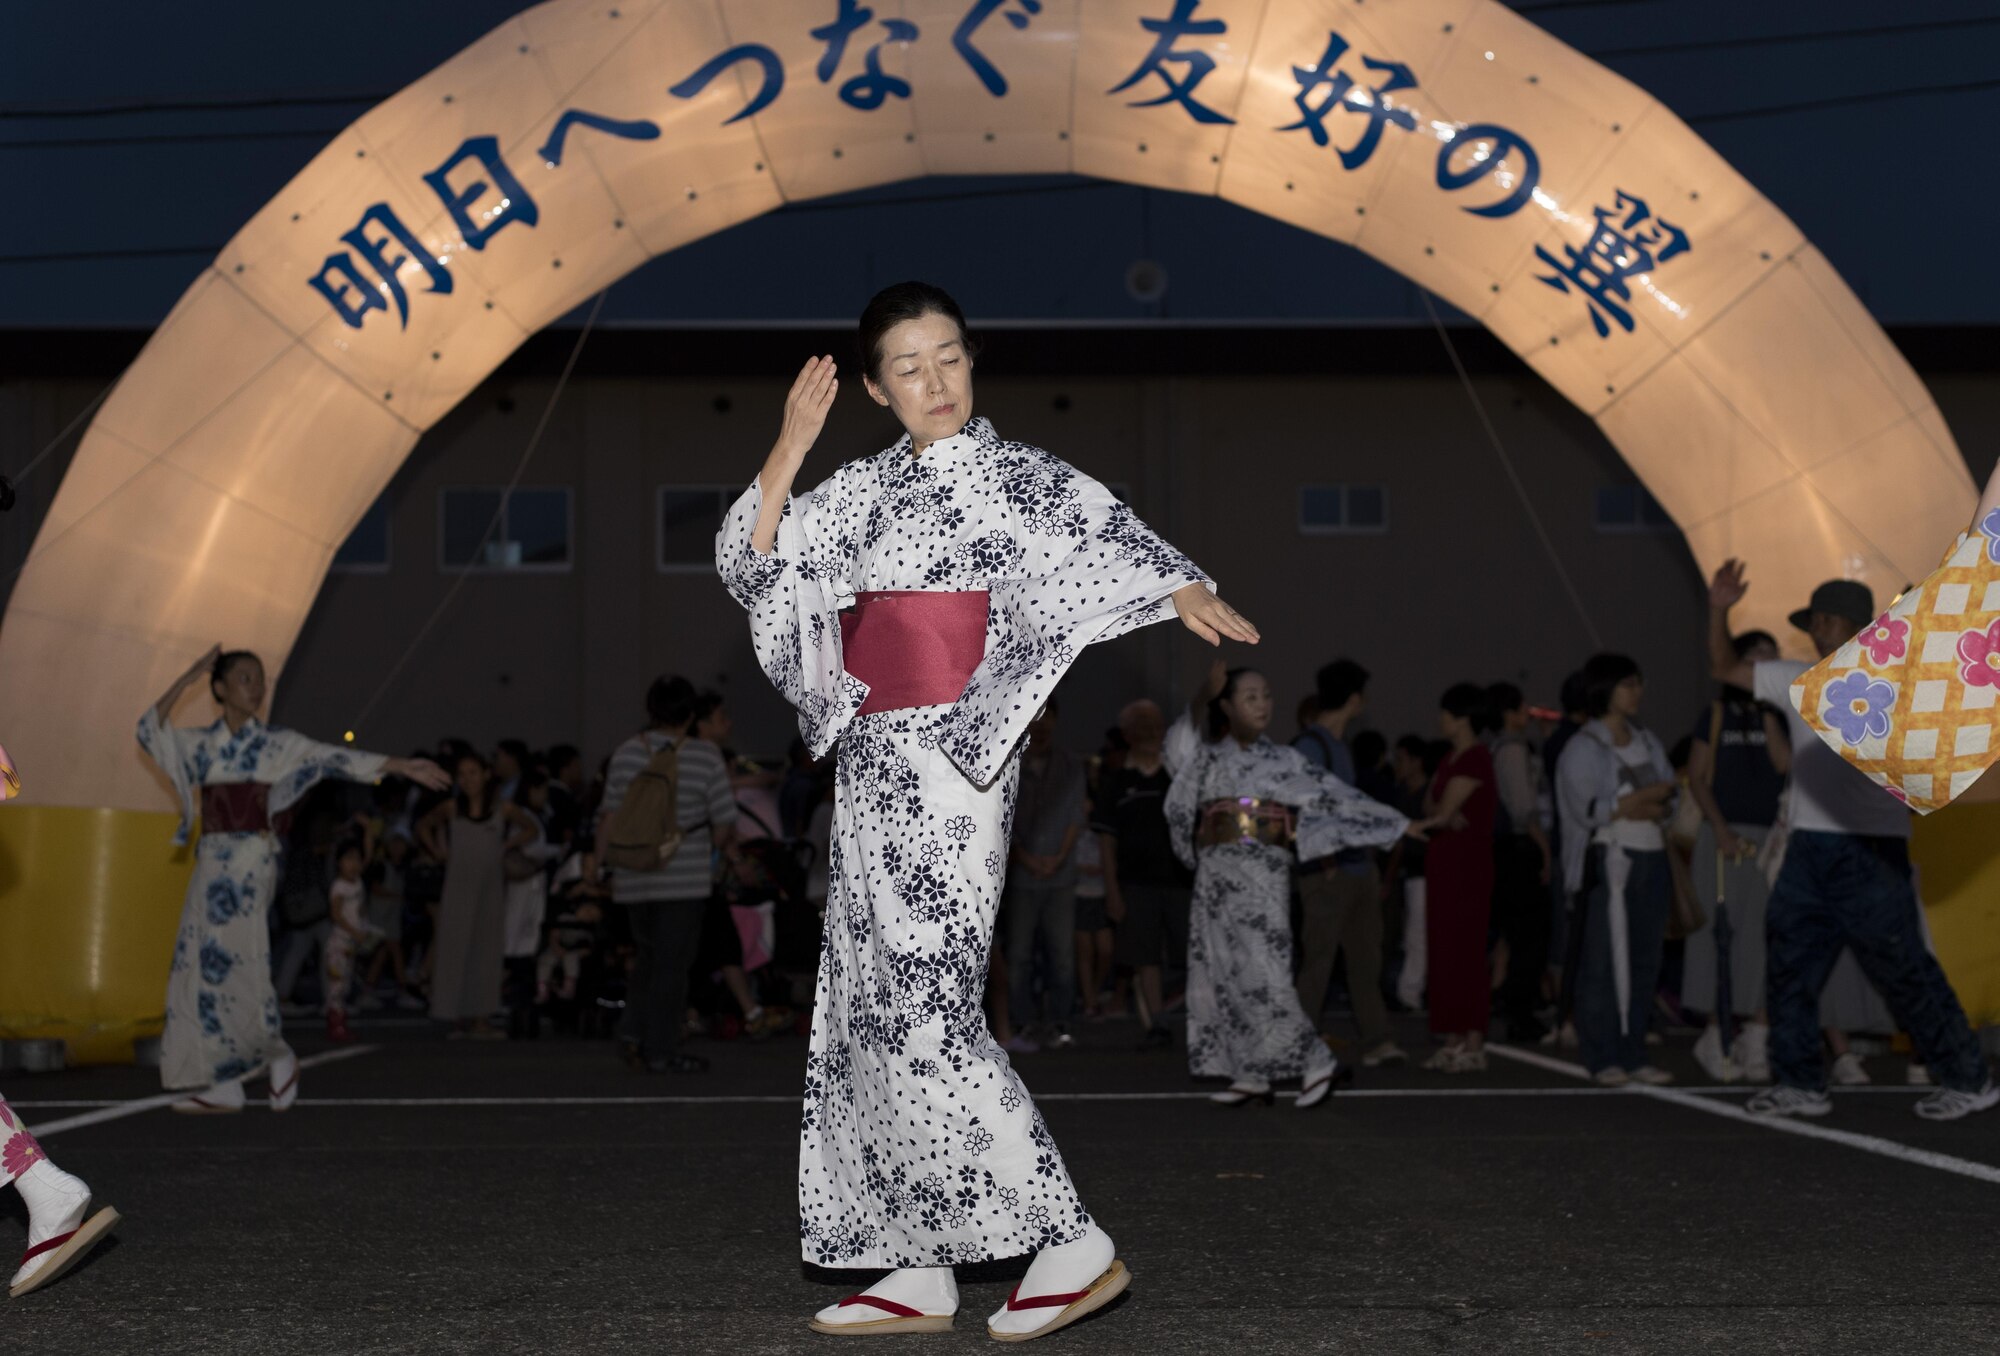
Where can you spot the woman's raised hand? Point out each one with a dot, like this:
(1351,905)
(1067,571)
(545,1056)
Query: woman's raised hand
(1210,618)
(806,405)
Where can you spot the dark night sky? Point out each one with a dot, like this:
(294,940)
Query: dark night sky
(1861,121)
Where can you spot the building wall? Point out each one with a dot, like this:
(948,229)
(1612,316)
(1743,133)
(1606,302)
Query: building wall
(1459,587)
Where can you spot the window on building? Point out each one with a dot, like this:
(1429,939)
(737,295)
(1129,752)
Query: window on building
(366,550)
(1325,509)
(533,532)
(689,516)
(1628,508)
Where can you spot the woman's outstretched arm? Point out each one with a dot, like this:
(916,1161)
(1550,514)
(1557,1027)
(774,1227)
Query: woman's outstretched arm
(164,707)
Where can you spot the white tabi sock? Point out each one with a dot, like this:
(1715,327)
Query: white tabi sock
(929,1290)
(1061,1270)
(56,1205)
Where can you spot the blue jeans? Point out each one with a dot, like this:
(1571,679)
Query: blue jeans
(1648,893)
(1838,890)
(1033,907)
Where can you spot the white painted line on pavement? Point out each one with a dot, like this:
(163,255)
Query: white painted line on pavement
(1786,1125)
(120,1110)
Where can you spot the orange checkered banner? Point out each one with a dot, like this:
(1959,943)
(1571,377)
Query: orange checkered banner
(1548,198)
(1911,700)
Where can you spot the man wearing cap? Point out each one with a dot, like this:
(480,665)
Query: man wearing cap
(1845,883)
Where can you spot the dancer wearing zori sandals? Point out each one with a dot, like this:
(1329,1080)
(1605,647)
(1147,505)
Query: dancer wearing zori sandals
(61,1225)
(1237,806)
(222,1015)
(919,607)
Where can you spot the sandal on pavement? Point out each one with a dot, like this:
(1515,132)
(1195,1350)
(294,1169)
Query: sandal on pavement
(64,1251)
(902,1318)
(1070,1307)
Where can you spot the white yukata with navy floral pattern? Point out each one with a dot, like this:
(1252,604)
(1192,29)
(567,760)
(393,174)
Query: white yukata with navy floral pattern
(222,1014)
(1244,1018)
(918,1144)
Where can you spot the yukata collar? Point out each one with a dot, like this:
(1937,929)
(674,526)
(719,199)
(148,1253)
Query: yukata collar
(251,726)
(977,433)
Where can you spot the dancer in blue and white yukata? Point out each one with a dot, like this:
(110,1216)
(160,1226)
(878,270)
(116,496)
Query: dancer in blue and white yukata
(919,607)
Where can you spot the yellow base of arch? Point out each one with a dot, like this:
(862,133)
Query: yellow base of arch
(90,901)
(1959,877)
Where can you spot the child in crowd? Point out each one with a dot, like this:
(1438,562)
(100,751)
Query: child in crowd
(352,932)
(576,910)
(386,902)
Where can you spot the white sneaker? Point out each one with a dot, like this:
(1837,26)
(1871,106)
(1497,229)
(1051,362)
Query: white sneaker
(1388,1052)
(1652,1076)
(1611,1077)
(1848,1073)
(1788,1101)
(1709,1054)
(1752,1052)
(1917,1076)
(1948,1104)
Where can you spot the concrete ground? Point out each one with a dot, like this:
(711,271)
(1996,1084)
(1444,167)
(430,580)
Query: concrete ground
(428,1196)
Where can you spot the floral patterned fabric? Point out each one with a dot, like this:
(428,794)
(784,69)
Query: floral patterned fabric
(1063,561)
(222,1015)
(1911,699)
(18,1149)
(918,1145)
(1244,1018)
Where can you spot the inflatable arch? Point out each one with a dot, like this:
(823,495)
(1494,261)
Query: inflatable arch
(1571,213)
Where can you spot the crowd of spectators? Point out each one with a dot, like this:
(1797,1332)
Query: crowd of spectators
(1587,886)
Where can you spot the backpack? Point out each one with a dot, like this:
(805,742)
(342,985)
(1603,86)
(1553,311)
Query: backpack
(645,830)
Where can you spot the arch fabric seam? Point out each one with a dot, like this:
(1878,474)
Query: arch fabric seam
(1799,472)
(39,548)
(1393,154)
(1513,475)
(465,571)
(757,120)
(1590,171)
(565,95)
(1796,472)
(1957,462)
(1221,165)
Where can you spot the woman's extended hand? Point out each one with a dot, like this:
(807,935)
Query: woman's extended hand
(422,771)
(1210,618)
(806,405)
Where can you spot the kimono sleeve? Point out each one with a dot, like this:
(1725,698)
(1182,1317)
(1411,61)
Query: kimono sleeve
(1332,814)
(1081,568)
(293,765)
(794,596)
(172,748)
(1186,757)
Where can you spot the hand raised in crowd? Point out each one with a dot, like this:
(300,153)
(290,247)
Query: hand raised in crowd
(1212,619)
(1728,586)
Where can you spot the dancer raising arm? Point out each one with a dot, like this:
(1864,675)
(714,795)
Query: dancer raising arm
(222,1015)
(1237,805)
(919,607)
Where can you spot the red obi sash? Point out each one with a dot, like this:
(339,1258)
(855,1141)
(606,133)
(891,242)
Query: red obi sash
(913,647)
(239,807)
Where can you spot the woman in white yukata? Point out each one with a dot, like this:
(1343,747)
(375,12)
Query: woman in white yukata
(1237,806)
(920,606)
(222,1014)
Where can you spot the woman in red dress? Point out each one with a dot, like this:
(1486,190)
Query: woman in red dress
(1458,867)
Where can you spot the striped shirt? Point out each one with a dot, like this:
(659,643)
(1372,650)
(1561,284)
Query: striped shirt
(705,798)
